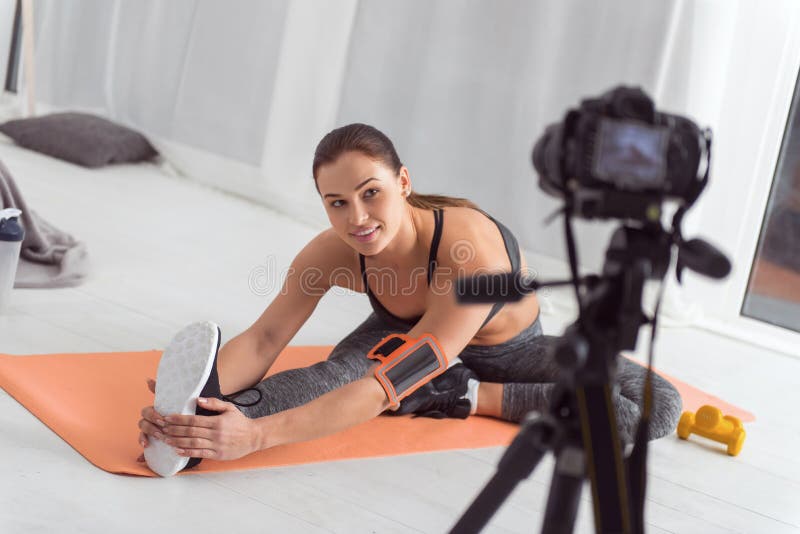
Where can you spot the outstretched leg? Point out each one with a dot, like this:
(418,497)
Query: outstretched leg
(346,363)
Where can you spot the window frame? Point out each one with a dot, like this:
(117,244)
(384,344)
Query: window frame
(751,125)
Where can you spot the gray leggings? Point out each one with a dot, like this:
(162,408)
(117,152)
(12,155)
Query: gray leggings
(522,364)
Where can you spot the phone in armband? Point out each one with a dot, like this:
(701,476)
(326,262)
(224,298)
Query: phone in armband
(406,364)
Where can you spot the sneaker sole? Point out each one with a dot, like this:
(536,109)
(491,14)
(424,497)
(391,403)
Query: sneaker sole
(182,373)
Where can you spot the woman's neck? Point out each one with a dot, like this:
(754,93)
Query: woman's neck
(407,245)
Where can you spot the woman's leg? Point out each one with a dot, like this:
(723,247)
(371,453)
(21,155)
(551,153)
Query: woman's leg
(528,373)
(346,363)
(667,404)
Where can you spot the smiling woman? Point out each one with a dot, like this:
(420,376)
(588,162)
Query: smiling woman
(499,362)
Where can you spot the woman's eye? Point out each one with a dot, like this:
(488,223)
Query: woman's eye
(367,194)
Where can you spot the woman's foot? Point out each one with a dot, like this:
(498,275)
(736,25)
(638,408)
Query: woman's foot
(447,395)
(183,375)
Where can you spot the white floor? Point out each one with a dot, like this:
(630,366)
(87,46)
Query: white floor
(166,252)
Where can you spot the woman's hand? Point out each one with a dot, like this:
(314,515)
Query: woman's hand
(226,436)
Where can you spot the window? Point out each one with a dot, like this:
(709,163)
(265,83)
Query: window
(773,291)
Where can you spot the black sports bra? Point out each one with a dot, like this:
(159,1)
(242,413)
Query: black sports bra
(512,248)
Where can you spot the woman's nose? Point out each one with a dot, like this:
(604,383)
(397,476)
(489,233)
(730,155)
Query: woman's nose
(357,215)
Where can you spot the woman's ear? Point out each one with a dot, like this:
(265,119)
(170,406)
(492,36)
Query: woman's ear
(404,180)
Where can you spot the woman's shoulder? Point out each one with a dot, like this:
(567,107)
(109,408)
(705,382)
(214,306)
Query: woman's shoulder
(468,223)
(464,215)
(469,236)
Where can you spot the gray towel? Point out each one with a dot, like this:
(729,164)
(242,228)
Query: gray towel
(49,257)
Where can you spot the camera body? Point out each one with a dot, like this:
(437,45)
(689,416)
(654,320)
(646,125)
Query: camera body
(616,157)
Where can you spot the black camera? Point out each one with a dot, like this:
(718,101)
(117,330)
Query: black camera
(617,157)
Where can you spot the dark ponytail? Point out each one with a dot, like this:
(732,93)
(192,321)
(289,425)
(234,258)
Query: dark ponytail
(373,143)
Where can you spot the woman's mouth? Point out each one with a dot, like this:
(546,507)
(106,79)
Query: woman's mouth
(366,235)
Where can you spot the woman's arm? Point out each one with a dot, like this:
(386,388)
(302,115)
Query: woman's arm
(337,410)
(245,359)
(230,434)
(361,400)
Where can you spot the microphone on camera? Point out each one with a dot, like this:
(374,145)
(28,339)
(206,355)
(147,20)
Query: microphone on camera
(702,257)
(491,288)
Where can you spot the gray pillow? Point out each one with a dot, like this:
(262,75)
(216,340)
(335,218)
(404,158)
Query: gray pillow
(80,138)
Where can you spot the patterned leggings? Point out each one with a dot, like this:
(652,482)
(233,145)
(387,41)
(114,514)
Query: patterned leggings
(522,364)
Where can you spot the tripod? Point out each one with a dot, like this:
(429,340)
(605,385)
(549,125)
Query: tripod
(580,427)
(614,157)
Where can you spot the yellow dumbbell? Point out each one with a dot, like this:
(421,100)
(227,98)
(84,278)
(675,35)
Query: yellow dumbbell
(710,423)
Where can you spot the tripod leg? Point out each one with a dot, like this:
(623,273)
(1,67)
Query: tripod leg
(520,459)
(565,492)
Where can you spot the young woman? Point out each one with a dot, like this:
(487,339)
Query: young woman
(405,251)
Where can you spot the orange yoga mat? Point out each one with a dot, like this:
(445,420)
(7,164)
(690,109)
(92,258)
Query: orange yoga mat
(93,402)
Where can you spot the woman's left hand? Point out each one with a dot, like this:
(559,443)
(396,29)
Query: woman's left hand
(226,436)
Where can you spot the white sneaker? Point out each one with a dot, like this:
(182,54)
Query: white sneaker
(183,371)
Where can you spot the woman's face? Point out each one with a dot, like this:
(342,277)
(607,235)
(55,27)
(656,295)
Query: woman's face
(364,200)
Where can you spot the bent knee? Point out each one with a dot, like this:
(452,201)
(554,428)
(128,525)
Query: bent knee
(667,409)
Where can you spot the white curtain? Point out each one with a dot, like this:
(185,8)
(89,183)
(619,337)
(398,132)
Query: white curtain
(196,72)
(239,93)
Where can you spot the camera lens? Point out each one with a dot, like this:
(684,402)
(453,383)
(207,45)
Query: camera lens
(546,156)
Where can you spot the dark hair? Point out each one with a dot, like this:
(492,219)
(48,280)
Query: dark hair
(373,143)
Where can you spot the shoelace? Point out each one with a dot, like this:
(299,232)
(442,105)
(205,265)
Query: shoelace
(229,398)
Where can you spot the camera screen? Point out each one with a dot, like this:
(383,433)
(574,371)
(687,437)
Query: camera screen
(630,155)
